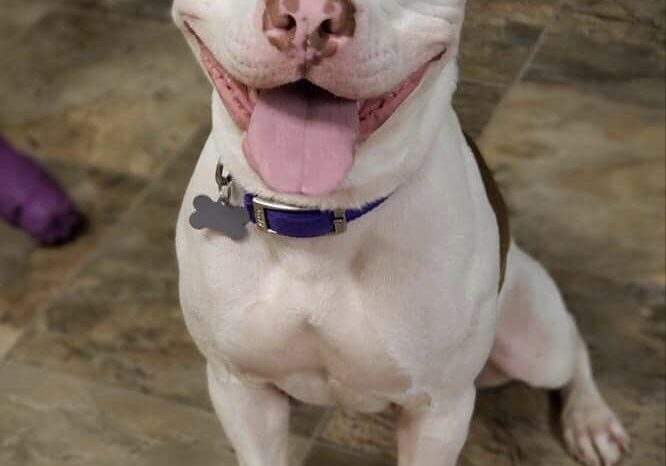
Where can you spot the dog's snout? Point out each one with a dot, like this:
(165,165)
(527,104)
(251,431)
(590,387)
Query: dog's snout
(316,26)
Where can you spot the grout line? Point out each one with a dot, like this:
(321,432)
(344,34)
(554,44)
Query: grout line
(198,134)
(114,388)
(319,429)
(99,382)
(525,67)
(537,46)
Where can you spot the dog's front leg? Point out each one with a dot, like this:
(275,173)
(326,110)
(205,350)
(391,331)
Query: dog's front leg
(255,418)
(435,437)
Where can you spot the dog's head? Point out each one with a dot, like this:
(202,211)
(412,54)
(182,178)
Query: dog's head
(312,95)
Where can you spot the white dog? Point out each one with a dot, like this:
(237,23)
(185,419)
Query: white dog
(334,116)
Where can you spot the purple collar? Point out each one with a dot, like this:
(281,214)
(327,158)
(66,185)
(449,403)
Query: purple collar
(299,222)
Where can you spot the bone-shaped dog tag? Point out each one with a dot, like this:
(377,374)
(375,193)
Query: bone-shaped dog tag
(229,220)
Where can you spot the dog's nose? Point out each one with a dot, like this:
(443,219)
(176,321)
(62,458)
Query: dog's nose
(319,27)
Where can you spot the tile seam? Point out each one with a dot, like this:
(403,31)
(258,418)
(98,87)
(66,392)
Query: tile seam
(318,430)
(520,75)
(198,134)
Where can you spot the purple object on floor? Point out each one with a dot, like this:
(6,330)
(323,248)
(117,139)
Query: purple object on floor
(31,200)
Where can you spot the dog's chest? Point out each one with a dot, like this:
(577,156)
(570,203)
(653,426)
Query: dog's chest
(382,314)
(322,330)
(318,346)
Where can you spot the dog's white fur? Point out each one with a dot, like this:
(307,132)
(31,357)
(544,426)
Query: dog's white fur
(403,309)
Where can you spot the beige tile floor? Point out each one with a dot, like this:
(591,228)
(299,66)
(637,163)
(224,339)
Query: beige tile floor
(96,368)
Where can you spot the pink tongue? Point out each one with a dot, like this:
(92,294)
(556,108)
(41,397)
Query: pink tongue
(301,139)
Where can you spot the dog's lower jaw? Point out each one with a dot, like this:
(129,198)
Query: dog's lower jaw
(382,162)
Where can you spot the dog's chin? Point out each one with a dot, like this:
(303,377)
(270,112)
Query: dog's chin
(321,177)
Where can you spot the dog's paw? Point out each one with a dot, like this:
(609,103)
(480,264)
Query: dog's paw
(592,432)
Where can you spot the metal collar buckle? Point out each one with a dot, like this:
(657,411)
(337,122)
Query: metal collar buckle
(260,205)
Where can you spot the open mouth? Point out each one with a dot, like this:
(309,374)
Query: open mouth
(300,137)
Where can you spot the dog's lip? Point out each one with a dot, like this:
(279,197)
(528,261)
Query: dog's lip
(240,98)
(188,16)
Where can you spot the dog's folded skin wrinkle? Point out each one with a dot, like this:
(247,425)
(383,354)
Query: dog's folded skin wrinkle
(497,202)
(334,104)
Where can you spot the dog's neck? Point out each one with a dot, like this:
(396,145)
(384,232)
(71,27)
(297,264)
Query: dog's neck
(383,162)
